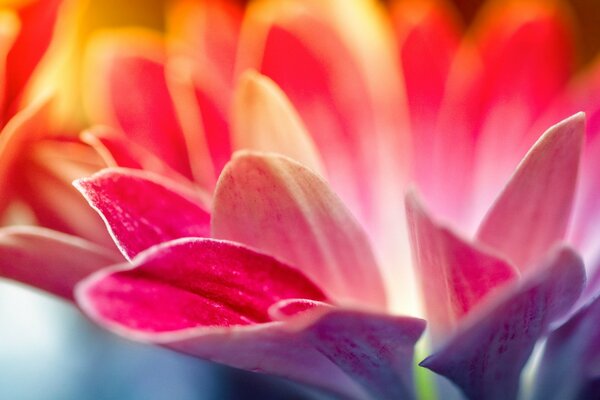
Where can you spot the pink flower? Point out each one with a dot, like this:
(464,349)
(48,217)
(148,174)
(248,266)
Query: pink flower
(237,246)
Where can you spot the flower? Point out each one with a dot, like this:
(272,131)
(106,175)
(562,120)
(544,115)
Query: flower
(252,260)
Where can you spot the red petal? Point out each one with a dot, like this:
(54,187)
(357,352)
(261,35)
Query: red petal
(142,209)
(528,55)
(36,31)
(49,260)
(44,184)
(127,88)
(276,205)
(193,283)
(118,151)
(486,356)
(455,275)
(20,131)
(525,221)
(428,35)
(203,111)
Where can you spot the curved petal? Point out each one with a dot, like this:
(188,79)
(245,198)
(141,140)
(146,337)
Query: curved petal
(571,360)
(209,30)
(264,119)
(126,88)
(118,151)
(24,128)
(10,26)
(49,260)
(525,222)
(193,282)
(43,182)
(455,275)
(141,209)
(527,51)
(203,113)
(278,206)
(486,356)
(204,297)
(342,83)
(428,34)
(37,22)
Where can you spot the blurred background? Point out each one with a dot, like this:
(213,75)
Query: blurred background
(49,351)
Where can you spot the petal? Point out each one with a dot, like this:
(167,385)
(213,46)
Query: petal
(126,88)
(9,29)
(141,209)
(525,222)
(571,360)
(198,296)
(49,260)
(582,95)
(486,356)
(193,282)
(210,30)
(203,111)
(37,19)
(527,50)
(44,181)
(265,120)
(24,128)
(455,275)
(342,83)
(278,206)
(428,34)
(118,151)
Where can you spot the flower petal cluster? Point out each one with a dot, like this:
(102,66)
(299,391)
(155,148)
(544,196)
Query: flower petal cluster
(284,181)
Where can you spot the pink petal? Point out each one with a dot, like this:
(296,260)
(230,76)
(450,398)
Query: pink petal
(486,356)
(49,260)
(425,30)
(525,221)
(265,120)
(446,181)
(323,76)
(570,366)
(37,22)
(582,95)
(198,296)
(528,55)
(455,275)
(142,209)
(193,282)
(127,89)
(118,151)
(44,181)
(278,206)
(203,111)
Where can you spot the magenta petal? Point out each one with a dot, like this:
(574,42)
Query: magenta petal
(570,367)
(532,212)
(486,356)
(205,297)
(142,209)
(278,206)
(454,275)
(192,282)
(49,260)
